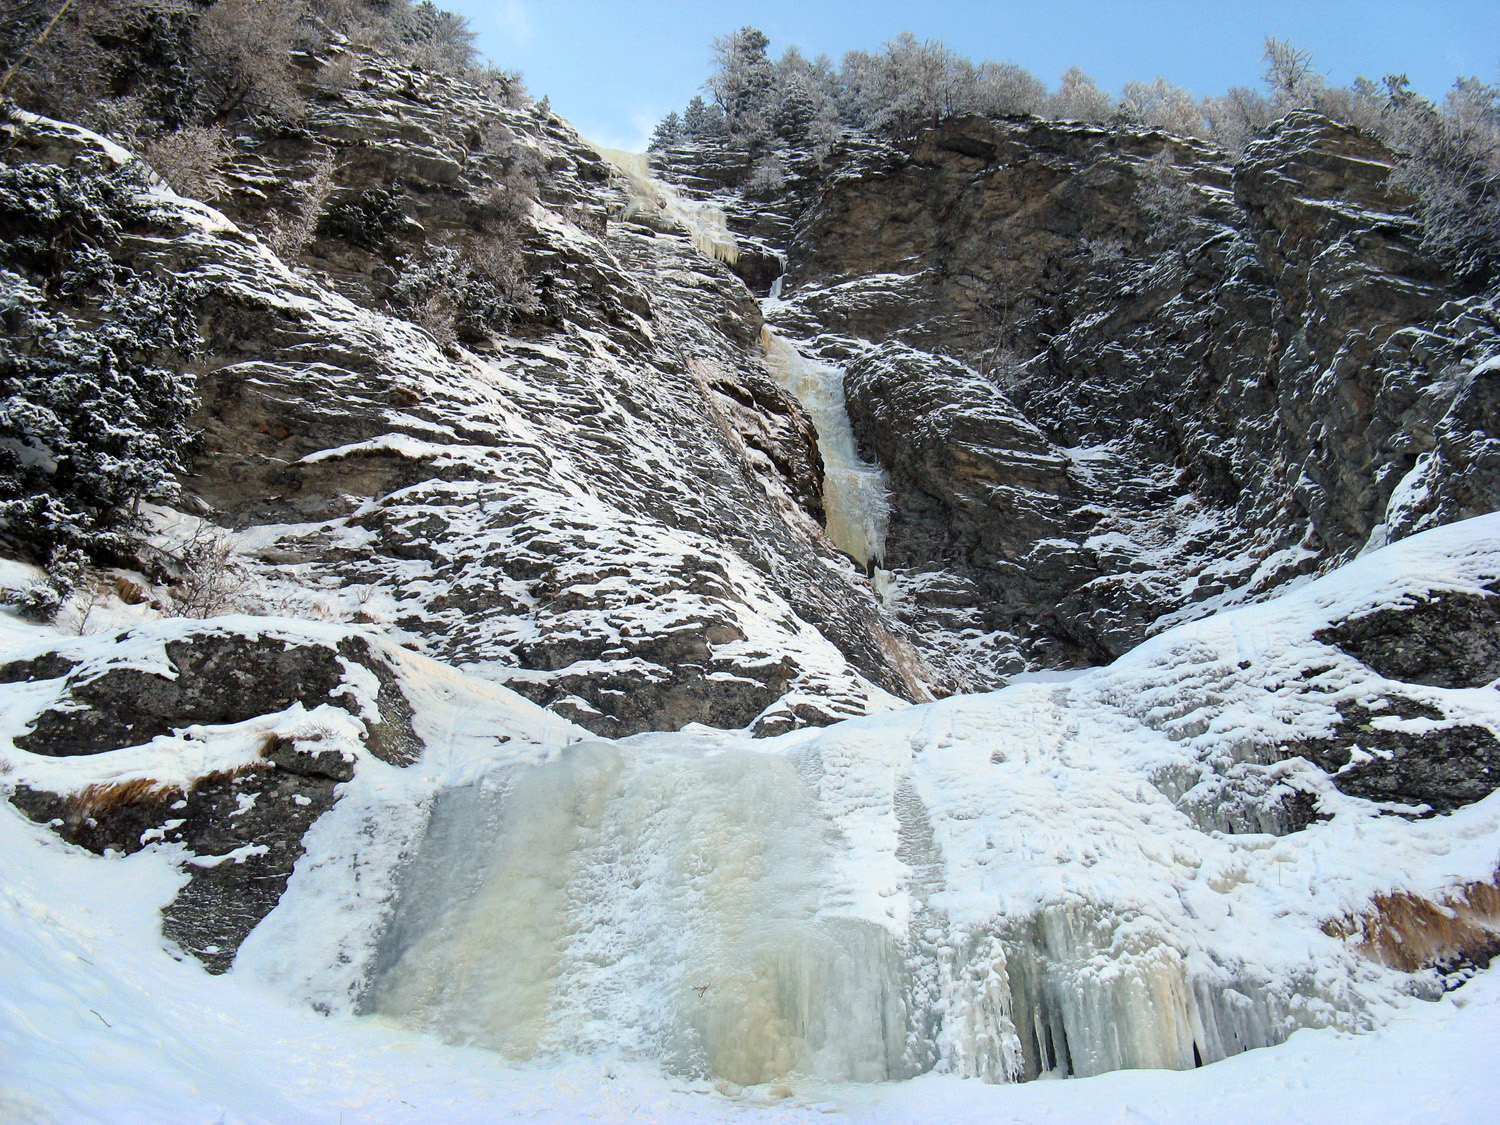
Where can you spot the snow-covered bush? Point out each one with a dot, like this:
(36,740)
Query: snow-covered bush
(93,401)
(1451,163)
(465,291)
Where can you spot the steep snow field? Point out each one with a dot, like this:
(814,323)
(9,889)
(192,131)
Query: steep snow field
(1081,874)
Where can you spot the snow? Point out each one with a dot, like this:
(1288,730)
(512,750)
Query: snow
(695,926)
(99,1025)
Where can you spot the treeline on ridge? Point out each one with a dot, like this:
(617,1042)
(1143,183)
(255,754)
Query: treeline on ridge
(1449,153)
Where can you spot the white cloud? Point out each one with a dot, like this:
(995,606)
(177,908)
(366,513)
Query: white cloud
(512,21)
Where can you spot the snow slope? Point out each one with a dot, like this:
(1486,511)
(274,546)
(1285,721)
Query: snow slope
(1060,875)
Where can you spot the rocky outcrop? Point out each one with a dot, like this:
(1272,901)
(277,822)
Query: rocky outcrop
(1230,375)
(210,678)
(242,832)
(242,819)
(613,508)
(1451,640)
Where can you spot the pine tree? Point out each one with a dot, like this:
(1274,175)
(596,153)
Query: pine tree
(93,398)
(744,79)
(667,133)
(796,112)
(702,120)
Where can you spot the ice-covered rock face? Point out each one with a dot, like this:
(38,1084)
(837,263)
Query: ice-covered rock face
(618,514)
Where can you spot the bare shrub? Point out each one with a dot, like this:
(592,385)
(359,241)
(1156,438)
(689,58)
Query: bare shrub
(123,120)
(209,581)
(189,159)
(242,53)
(510,196)
(340,72)
(290,233)
(466,289)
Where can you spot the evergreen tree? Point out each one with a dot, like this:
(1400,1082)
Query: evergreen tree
(93,398)
(703,120)
(667,133)
(796,111)
(744,79)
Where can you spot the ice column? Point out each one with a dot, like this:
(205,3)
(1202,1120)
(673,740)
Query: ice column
(854,493)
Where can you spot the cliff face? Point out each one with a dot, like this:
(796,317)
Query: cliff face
(612,508)
(1118,383)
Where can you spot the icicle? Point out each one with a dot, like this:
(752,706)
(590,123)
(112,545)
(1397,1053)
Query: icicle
(854,495)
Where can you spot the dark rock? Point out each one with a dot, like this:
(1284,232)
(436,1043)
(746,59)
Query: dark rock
(1444,767)
(220,678)
(1449,640)
(244,829)
(48,666)
(301,757)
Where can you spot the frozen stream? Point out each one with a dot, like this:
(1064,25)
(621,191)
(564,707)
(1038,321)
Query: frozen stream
(854,492)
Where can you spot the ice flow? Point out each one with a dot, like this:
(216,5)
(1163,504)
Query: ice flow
(668,904)
(854,491)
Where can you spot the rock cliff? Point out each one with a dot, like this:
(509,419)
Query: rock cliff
(1119,382)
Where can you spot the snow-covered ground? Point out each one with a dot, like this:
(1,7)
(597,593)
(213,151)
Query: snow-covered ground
(1046,865)
(98,1024)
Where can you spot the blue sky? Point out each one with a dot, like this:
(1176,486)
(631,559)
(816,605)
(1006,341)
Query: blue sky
(615,68)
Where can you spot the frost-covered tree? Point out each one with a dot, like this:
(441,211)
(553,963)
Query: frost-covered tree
(1005,88)
(436,39)
(1290,77)
(242,55)
(1078,98)
(767,177)
(702,120)
(795,111)
(1451,163)
(1237,117)
(1162,105)
(93,398)
(667,133)
(743,80)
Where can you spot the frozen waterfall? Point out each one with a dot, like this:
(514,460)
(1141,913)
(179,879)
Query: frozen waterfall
(653,200)
(854,492)
(670,903)
(812,908)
